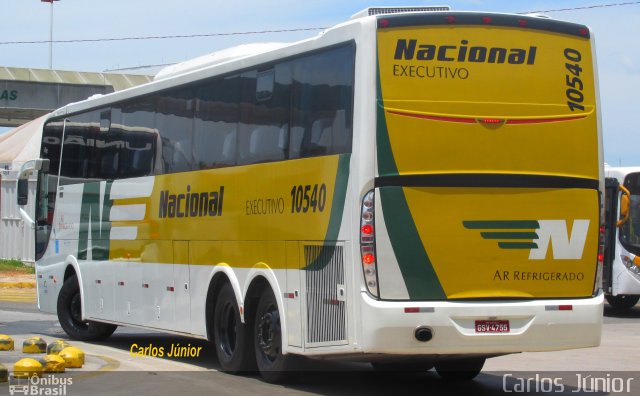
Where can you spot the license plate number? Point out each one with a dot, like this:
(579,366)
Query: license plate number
(492,326)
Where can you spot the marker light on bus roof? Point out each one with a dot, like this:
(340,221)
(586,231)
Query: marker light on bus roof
(490,121)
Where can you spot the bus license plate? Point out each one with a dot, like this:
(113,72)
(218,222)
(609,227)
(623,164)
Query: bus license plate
(492,326)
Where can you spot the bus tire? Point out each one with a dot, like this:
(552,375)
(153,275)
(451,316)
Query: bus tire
(460,369)
(70,315)
(232,338)
(274,367)
(622,302)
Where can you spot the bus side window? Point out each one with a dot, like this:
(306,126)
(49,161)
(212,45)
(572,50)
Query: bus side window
(133,124)
(216,123)
(267,143)
(322,101)
(174,121)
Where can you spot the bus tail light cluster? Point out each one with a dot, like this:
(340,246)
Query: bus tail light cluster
(367,243)
(600,262)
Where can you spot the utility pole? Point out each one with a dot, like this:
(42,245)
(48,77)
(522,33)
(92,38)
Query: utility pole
(50,32)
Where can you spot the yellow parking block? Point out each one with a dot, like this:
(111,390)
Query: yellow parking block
(34,345)
(6,343)
(55,347)
(52,364)
(73,357)
(27,367)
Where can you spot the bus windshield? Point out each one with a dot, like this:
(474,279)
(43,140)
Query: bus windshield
(630,230)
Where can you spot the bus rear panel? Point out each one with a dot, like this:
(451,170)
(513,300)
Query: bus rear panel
(487,195)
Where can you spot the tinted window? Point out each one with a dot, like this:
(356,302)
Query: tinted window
(630,230)
(322,101)
(216,123)
(174,121)
(133,124)
(47,184)
(294,109)
(82,141)
(263,133)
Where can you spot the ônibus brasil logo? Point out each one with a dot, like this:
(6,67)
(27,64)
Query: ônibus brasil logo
(535,236)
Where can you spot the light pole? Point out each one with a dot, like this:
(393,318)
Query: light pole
(50,33)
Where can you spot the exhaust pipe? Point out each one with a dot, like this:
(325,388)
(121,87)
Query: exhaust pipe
(423,334)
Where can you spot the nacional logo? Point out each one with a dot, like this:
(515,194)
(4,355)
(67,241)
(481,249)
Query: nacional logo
(463,52)
(535,236)
(190,203)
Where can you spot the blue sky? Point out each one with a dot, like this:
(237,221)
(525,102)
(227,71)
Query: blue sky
(615,28)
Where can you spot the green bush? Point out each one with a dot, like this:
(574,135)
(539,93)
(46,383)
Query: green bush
(15,265)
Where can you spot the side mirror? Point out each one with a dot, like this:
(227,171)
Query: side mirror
(23,184)
(23,177)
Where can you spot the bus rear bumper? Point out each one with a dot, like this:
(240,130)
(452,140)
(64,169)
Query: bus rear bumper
(390,327)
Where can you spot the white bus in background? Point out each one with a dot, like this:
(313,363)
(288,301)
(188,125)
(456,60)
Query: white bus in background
(621,270)
(396,190)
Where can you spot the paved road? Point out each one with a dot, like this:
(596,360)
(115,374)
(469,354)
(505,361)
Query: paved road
(112,370)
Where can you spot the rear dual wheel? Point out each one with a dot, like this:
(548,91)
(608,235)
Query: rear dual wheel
(232,338)
(241,347)
(274,367)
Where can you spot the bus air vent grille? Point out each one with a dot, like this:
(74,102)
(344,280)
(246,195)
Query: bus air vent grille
(326,295)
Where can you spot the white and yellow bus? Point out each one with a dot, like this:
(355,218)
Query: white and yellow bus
(408,186)
(621,269)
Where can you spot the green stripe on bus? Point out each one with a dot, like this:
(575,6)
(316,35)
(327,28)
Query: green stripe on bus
(416,268)
(509,235)
(501,224)
(517,245)
(335,219)
(339,196)
(386,162)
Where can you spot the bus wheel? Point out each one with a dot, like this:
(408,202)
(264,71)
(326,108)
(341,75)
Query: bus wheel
(272,364)
(232,339)
(460,369)
(70,315)
(622,302)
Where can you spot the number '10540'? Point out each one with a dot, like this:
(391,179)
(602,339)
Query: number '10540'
(308,197)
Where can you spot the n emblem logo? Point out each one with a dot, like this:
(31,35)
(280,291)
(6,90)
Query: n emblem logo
(536,236)
(564,247)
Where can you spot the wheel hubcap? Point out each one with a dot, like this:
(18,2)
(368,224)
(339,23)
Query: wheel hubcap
(76,309)
(269,334)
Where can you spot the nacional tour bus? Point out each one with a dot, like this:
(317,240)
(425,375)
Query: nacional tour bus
(408,187)
(621,269)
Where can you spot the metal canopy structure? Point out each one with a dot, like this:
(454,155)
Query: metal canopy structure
(26,94)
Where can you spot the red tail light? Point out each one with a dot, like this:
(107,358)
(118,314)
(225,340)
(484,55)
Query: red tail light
(367,243)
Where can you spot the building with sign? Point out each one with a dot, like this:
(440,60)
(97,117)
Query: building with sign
(25,95)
